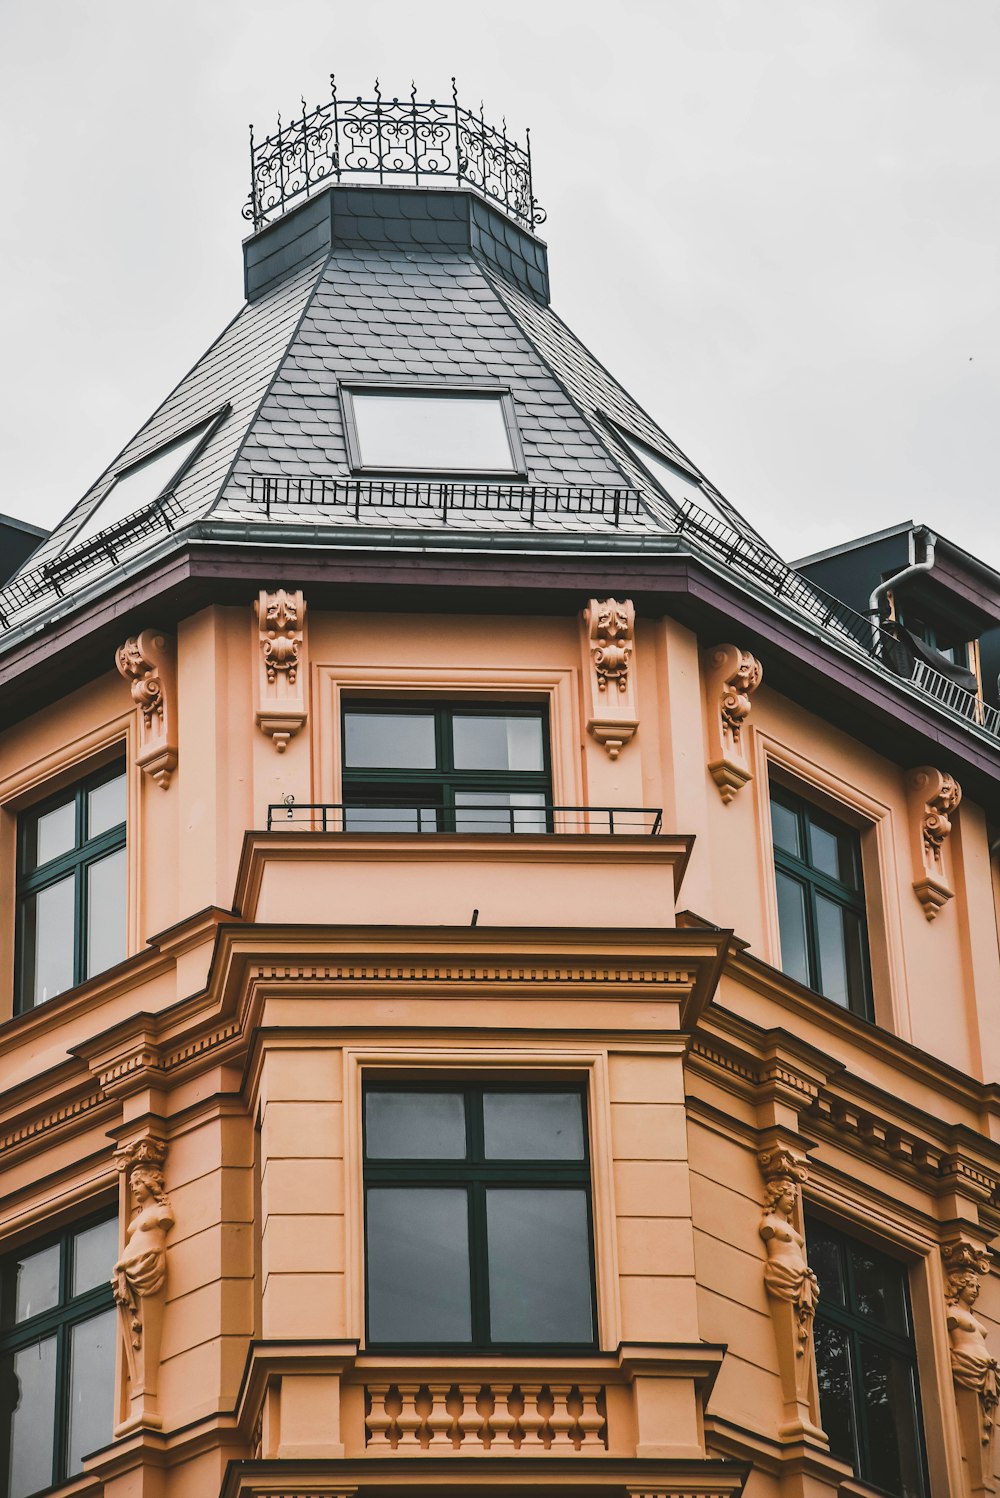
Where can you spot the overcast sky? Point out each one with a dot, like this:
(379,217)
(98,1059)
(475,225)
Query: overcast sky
(776,221)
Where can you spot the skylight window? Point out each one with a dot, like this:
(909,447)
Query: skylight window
(137,487)
(680,486)
(412,431)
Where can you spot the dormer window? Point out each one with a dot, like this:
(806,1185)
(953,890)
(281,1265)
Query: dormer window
(140,484)
(466,432)
(679,485)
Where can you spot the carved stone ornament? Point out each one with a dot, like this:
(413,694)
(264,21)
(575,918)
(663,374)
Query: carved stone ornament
(933,797)
(730,675)
(792,1292)
(281,677)
(140,1275)
(148,662)
(609,672)
(974,1369)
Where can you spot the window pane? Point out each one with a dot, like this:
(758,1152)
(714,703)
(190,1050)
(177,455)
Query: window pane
(792,927)
(879,1291)
(432,431)
(418,1264)
(415,1125)
(28,1395)
(539,1264)
(826,1260)
(500,743)
(47,929)
(389,741)
(106,806)
(888,1389)
(533,1125)
(824,850)
(54,833)
(493,817)
(842,941)
(106,912)
(91,1387)
(389,818)
(94,1252)
(30,1285)
(785,828)
(833,1375)
(139,486)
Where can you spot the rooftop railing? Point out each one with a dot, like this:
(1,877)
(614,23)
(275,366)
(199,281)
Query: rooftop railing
(337,816)
(440,499)
(355,140)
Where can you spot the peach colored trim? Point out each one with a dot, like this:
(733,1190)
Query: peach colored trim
(509,1061)
(42,777)
(881,875)
(559,687)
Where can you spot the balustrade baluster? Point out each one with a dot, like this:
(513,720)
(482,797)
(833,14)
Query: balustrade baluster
(440,1421)
(592,1417)
(379,1420)
(410,1420)
(562,1420)
(533,1419)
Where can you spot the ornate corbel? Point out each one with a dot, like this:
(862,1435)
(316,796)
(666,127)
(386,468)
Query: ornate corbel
(933,796)
(974,1369)
(282,675)
(148,661)
(140,1275)
(609,672)
(730,675)
(792,1291)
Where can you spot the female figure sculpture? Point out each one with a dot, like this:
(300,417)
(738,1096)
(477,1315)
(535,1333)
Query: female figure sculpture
(787,1276)
(142,1269)
(972,1364)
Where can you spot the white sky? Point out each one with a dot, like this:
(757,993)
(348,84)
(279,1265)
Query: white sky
(776,221)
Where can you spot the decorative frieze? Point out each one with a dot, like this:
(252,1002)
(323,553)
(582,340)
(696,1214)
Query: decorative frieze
(281,677)
(933,797)
(609,672)
(792,1291)
(148,662)
(974,1369)
(140,1275)
(501,1418)
(730,676)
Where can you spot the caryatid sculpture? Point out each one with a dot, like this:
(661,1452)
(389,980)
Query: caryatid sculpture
(973,1367)
(792,1293)
(140,1275)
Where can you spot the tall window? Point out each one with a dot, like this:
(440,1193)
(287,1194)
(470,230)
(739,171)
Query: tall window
(57,1356)
(821,902)
(477,1218)
(866,1362)
(423,767)
(71,887)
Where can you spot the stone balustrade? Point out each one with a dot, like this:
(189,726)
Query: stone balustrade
(473,1417)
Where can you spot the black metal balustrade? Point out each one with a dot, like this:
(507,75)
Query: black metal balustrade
(351,140)
(441,499)
(338,816)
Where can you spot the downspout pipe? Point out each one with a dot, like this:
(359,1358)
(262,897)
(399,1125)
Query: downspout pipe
(914,567)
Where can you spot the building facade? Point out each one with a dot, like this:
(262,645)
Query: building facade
(500,973)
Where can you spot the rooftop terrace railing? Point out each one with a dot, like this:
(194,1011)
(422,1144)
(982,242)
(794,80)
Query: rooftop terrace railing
(356,140)
(336,816)
(441,499)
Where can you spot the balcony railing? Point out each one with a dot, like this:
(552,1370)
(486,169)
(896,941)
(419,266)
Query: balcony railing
(641,821)
(348,498)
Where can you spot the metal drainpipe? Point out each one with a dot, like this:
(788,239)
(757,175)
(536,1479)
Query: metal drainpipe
(874,602)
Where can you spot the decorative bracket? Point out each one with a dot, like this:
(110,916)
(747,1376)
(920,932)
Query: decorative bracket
(282,675)
(731,674)
(933,795)
(140,1275)
(792,1292)
(974,1368)
(609,672)
(148,661)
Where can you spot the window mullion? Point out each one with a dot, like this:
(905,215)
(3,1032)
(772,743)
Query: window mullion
(479,1265)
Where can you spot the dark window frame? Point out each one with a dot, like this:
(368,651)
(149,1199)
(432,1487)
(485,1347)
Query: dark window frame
(464,389)
(75,862)
(815,881)
(856,1328)
(444,780)
(476,1173)
(58,1321)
